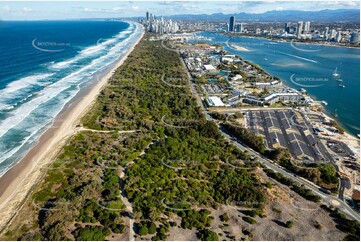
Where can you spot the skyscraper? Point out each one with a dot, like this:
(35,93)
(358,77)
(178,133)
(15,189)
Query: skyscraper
(232,23)
(355,38)
(307,27)
(287,27)
(147,15)
(325,35)
(239,28)
(299,29)
(333,34)
(339,36)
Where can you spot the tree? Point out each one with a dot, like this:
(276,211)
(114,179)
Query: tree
(289,224)
(224,217)
(152,228)
(143,230)
(207,235)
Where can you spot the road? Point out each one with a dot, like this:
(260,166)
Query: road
(325,198)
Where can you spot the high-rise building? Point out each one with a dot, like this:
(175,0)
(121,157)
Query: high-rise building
(333,34)
(258,31)
(147,15)
(339,36)
(325,34)
(232,23)
(160,25)
(355,38)
(307,27)
(299,29)
(239,28)
(287,27)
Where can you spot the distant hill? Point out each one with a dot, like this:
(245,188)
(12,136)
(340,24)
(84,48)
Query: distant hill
(339,15)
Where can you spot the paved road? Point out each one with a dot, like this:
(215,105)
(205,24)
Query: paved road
(325,198)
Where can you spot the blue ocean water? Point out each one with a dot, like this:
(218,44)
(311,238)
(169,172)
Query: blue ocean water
(307,66)
(43,65)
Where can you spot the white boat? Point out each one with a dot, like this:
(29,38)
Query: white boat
(342,85)
(303,90)
(324,103)
(335,73)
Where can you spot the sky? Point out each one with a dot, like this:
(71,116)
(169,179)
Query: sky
(41,10)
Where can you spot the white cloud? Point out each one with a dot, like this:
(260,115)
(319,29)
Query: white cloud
(26,9)
(6,8)
(104,10)
(135,8)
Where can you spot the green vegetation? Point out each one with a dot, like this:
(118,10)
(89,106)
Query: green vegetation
(301,190)
(224,217)
(337,126)
(249,220)
(207,235)
(179,168)
(246,136)
(289,224)
(91,233)
(318,173)
(351,227)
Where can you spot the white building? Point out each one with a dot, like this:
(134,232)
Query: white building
(215,102)
(209,68)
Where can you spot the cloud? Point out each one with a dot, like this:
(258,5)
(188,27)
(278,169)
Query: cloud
(6,8)
(104,10)
(26,9)
(135,7)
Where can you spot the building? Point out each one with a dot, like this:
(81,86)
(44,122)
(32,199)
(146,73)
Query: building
(355,38)
(209,68)
(333,34)
(307,28)
(325,34)
(252,100)
(215,102)
(338,36)
(232,24)
(160,25)
(239,28)
(299,29)
(287,27)
(288,97)
(266,85)
(258,31)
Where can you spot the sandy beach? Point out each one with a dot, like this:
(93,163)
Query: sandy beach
(240,48)
(17,183)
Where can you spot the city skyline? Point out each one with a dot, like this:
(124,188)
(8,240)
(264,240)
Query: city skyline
(115,9)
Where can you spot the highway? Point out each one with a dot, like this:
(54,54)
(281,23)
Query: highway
(325,198)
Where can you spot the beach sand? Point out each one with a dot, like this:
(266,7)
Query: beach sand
(240,48)
(18,182)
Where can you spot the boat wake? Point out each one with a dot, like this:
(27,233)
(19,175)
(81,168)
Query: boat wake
(299,57)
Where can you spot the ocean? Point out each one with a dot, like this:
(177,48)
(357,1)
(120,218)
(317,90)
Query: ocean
(43,65)
(307,66)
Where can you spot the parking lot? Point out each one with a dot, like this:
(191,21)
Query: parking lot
(287,129)
(213,88)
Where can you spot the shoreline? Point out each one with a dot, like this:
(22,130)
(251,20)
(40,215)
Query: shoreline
(17,183)
(285,40)
(348,132)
